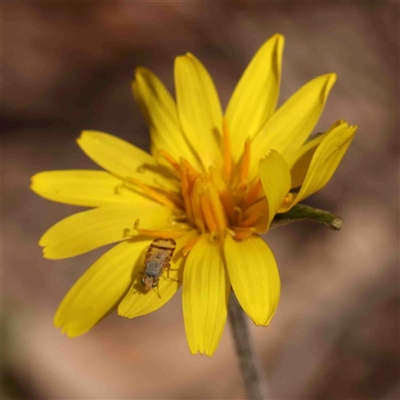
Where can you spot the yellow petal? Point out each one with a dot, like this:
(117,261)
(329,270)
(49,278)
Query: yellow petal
(275,178)
(302,162)
(99,289)
(137,302)
(83,188)
(199,108)
(121,158)
(161,113)
(88,230)
(294,121)
(299,160)
(326,159)
(205,296)
(255,96)
(254,276)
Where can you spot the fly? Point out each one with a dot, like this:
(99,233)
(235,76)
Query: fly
(157,260)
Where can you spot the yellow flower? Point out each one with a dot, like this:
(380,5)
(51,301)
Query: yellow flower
(213,182)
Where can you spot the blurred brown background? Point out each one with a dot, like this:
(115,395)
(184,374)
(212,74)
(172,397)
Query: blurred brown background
(67,66)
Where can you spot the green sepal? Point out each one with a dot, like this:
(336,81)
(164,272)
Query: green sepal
(301,212)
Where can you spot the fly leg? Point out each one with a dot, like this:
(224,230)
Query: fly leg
(168,267)
(157,290)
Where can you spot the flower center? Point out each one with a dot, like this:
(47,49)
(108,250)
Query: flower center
(218,202)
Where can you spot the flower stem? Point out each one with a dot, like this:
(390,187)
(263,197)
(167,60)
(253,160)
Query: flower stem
(250,366)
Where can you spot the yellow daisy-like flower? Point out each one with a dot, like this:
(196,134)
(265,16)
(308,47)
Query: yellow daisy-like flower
(213,182)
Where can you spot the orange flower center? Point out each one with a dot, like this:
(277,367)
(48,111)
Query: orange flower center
(217,202)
